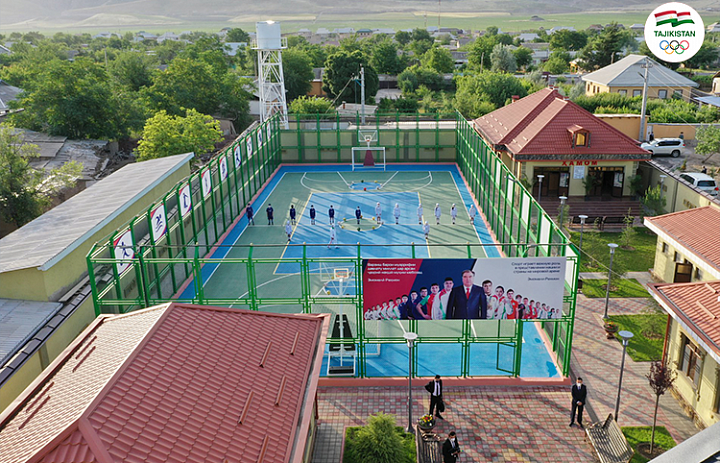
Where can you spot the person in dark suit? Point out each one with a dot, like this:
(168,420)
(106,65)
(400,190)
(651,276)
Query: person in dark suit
(436,401)
(579,394)
(468,300)
(270,211)
(411,305)
(450,448)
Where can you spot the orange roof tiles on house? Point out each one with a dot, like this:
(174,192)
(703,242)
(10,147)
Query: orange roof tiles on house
(174,383)
(541,125)
(697,230)
(696,307)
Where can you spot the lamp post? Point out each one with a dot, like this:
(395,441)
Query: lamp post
(410,338)
(625,335)
(540,179)
(562,210)
(612,247)
(583,218)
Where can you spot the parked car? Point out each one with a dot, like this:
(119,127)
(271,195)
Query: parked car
(667,146)
(703,182)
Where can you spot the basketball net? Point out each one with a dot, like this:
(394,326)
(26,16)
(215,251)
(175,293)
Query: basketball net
(369,159)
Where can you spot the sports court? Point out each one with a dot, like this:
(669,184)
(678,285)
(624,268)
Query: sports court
(332,270)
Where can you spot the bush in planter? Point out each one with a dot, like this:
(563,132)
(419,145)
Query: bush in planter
(379,442)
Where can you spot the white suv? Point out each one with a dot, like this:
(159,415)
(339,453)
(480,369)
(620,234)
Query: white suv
(668,146)
(702,182)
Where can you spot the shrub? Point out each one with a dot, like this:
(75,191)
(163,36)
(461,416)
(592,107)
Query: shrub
(379,442)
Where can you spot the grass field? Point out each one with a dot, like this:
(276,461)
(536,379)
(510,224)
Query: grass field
(623,288)
(640,434)
(595,248)
(649,333)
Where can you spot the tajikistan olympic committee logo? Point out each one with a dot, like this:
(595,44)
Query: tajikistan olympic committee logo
(674,32)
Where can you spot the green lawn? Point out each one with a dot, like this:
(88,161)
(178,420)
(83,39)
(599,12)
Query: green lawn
(595,246)
(649,335)
(623,288)
(638,435)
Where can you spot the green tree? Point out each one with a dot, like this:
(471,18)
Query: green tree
(378,442)
(606,47)
(653,201)
(480,50)
(502,59)
(311,105)
(523,57)
(167,135)
(341,69)
(73,99)
(492,30)
(385,58)
(168,50)
(568,40)
(403,37)
(24,191)
(186,83)
(557,63)
(413,77)
(708,140)
(298,71)
(132,70)
(439,59)
(705,57)
(494,87)
(237,35)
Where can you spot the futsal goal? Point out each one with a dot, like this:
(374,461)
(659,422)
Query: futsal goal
(368,156)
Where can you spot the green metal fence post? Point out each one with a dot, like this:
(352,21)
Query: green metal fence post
(93,283)
(412,246)
(518,347)
(197,272)
(252,290)
(142,285)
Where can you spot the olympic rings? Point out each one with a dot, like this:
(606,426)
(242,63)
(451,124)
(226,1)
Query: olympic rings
(674,46)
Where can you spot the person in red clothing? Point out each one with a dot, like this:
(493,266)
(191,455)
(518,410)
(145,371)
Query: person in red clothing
(511,305)
(431,302)
(533,312)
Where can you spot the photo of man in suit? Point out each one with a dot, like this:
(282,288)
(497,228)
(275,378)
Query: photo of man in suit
(450,448)
(467,300)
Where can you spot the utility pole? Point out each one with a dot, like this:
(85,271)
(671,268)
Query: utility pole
(646,65)
(362,93)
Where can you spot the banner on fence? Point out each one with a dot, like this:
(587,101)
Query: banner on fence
(454,289)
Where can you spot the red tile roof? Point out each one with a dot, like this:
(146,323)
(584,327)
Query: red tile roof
(175,383)
(698,230)
(696,307)
(539,126)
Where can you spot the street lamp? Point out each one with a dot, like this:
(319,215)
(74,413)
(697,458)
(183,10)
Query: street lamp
(540,179)
(612,247)
(410,338)
(562,209)
(625,335)
(583,218)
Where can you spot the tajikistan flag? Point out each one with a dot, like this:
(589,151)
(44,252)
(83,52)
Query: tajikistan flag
(673,18)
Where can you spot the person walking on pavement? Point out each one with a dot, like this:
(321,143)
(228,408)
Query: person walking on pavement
(269,211)
(435,389)
(579,395)
(438,213)
(451,448)
(420,213)
(312,215)
(397,213)
(453,213)
(288,229)
(293,214)
(249,213)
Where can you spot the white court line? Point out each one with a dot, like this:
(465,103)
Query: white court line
(297,224)
(427,242)
(388,180)
(468,213)
(343,179)
(302,182)
(424,186)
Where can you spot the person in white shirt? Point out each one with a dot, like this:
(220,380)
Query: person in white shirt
(439,309)
(288,229)
(497,302)
(438,212)
(426,230)
(473,211)
(332,237)
(453,213)
(397,213)
(420,213)
(378,213)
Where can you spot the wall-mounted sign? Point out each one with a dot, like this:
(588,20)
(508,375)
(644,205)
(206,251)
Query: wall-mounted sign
(158,222)
(185,200)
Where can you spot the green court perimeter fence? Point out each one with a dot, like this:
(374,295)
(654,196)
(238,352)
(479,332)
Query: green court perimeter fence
(154,270)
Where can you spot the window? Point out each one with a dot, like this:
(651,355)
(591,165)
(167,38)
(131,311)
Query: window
(622,92)
(716,409)
(664,248)
(662,94)
(678,257)
(678,94)
(637,92)
(698,274)
(691,361)
(581,139)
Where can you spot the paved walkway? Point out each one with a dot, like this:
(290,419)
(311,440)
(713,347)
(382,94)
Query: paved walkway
(494,424)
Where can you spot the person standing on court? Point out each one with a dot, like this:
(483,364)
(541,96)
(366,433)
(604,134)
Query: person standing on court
(420,213)
(397,213)
(472,213)
(331,214)
(293,214)
(435,388)
(450,448)
(332,237)
(453,213)
(249,213)
(426,230)
(378,213)
(579,395)
(358,215)
(438,213)
(288,229)
(312,215)
(269,211)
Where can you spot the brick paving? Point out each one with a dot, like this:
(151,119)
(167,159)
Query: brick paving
(494,424)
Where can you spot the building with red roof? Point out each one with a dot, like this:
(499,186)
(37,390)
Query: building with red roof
(547,134)
(175,383)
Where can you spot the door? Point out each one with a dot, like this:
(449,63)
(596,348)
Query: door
(683,272)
